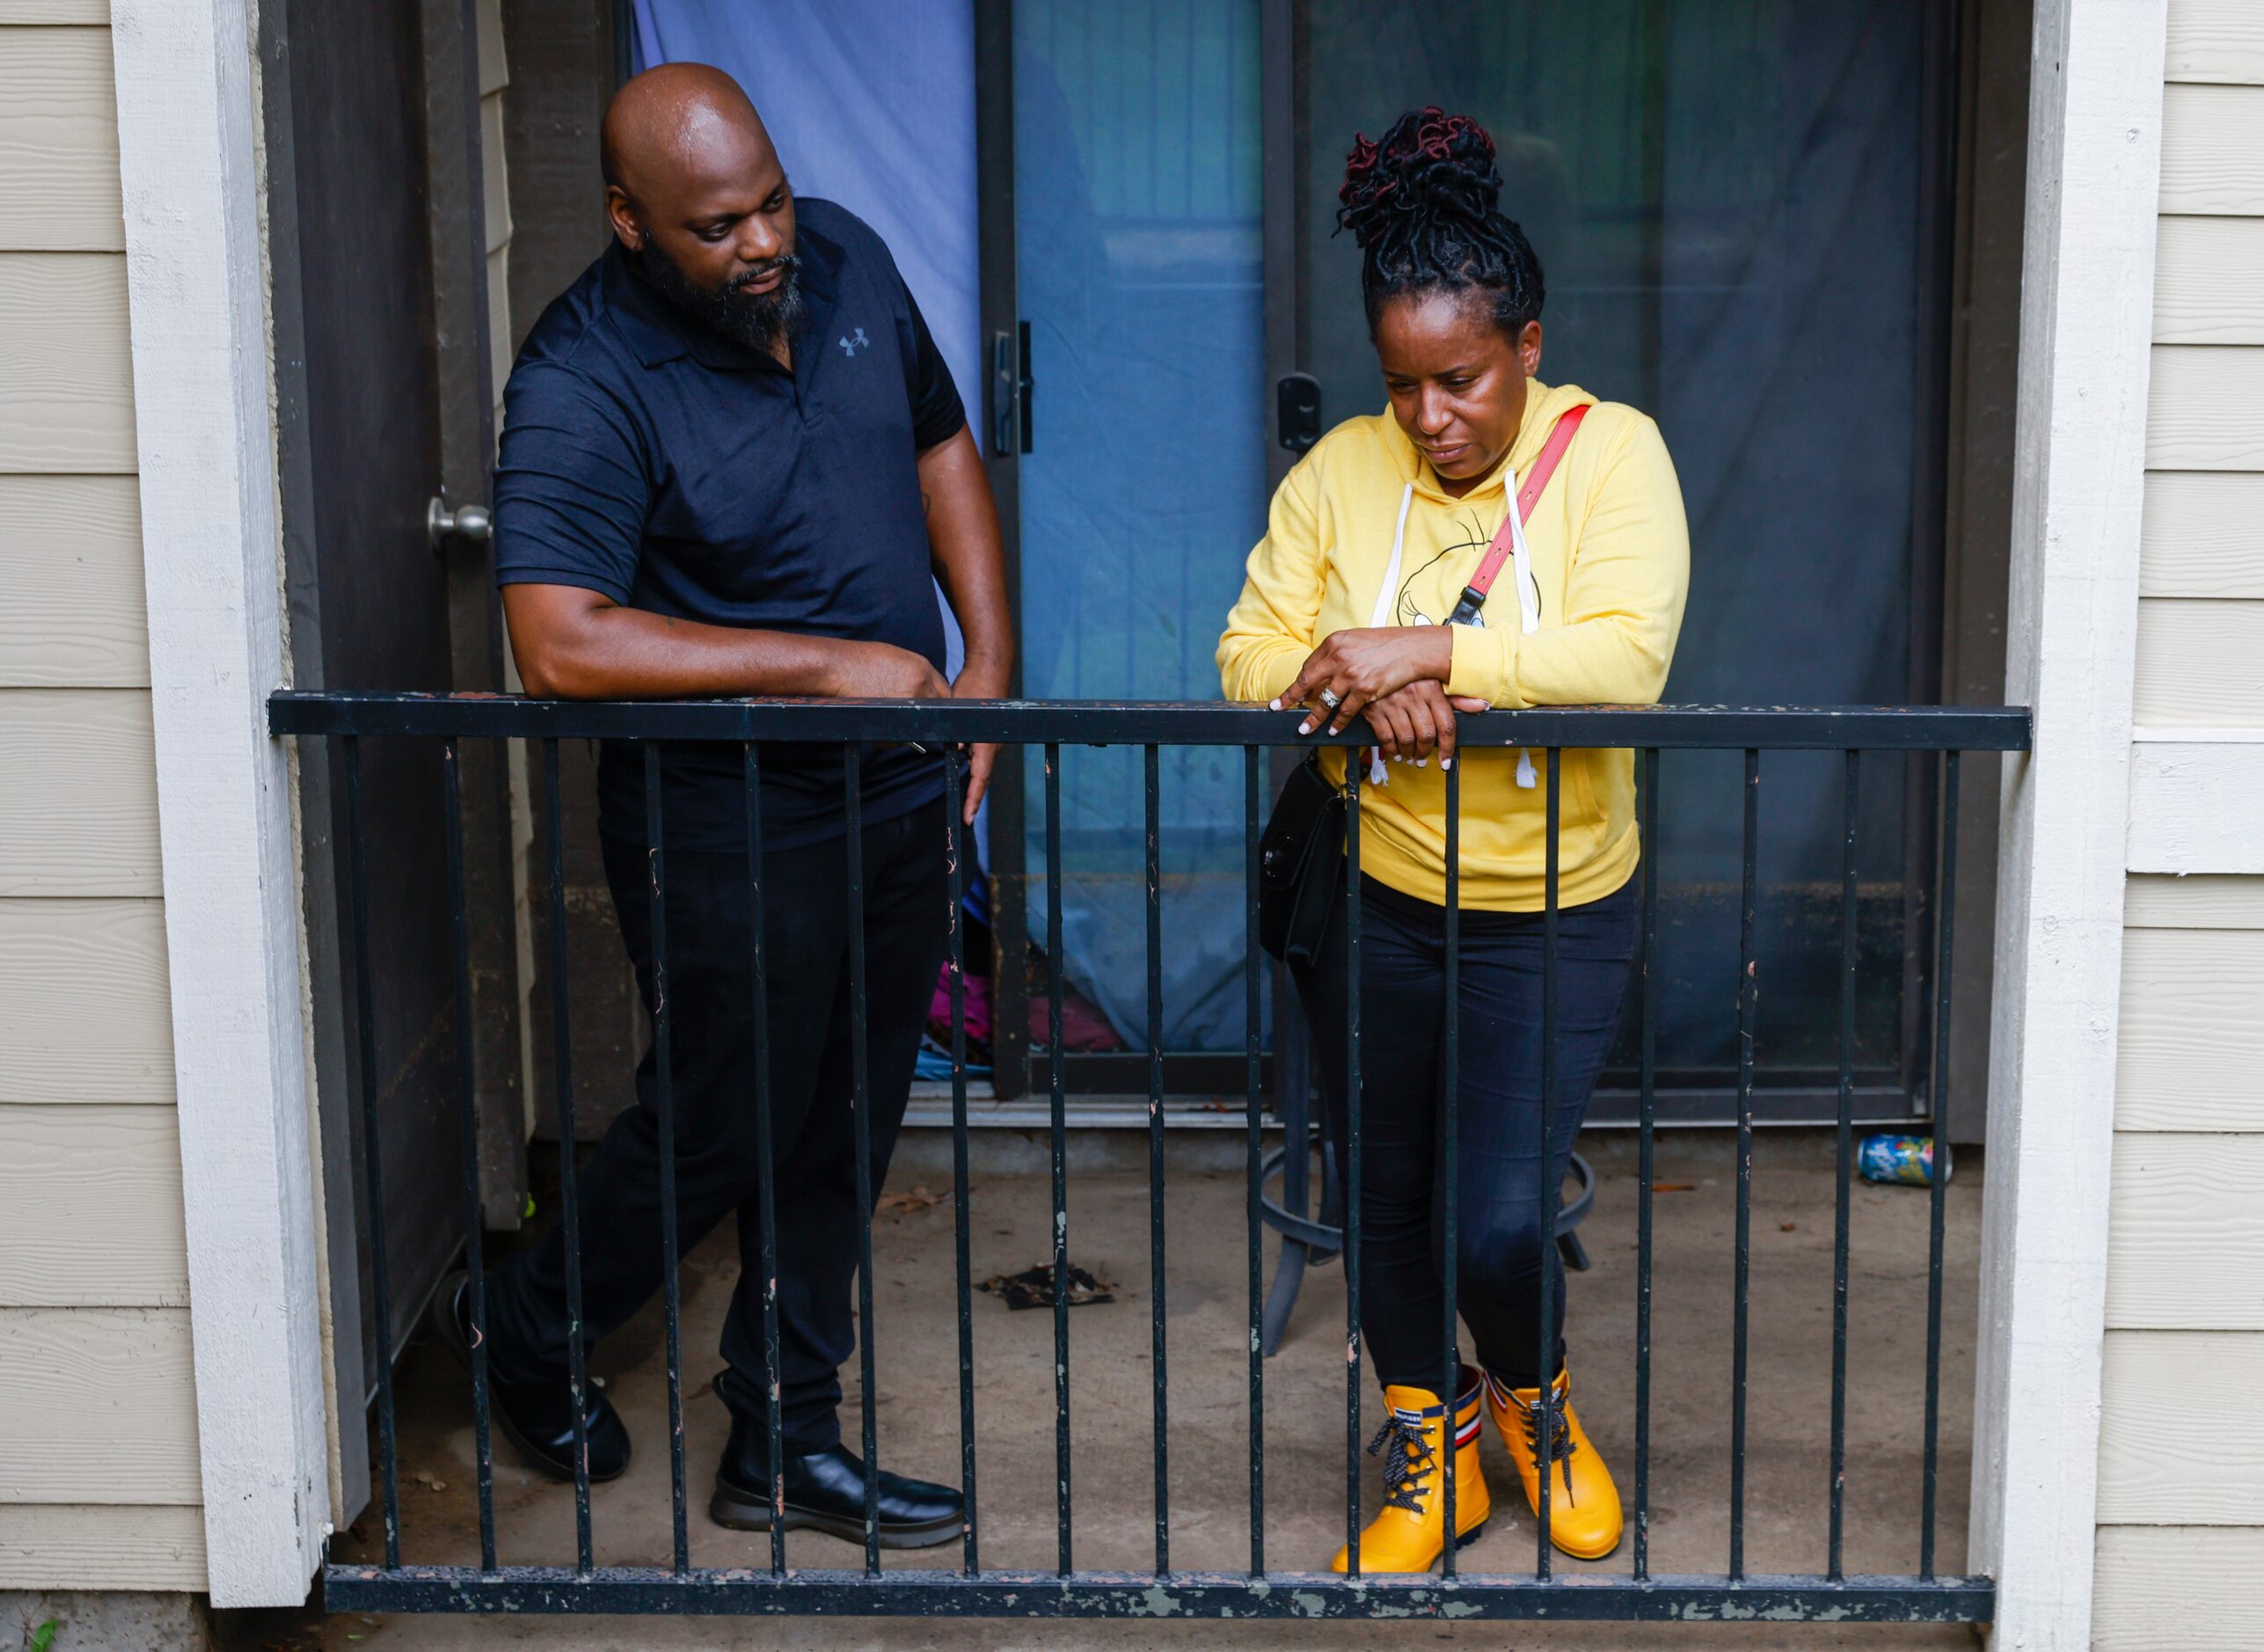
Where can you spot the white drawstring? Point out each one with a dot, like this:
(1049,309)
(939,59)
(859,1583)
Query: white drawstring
(1529,606)
(1382,610)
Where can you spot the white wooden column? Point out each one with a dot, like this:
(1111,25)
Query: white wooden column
(2094,164)
(189,154)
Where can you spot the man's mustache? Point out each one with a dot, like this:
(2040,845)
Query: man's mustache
(776,266)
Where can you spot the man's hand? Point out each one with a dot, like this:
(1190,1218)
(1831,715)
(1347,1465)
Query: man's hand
(971,565)
(1352,668)
(979,682)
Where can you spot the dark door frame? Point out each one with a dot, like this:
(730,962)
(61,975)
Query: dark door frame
(451,187)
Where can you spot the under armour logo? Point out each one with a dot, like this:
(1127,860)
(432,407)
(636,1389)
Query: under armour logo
(850,346)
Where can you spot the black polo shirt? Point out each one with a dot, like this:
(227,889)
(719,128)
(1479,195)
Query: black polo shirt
(652,458)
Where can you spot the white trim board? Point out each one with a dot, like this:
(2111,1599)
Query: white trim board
(189,155)
(2197,802)
(2086,311)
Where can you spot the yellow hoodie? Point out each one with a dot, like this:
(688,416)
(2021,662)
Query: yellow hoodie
(1610,559)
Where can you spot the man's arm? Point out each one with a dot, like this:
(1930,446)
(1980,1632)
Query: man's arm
(576,644)
(970,564)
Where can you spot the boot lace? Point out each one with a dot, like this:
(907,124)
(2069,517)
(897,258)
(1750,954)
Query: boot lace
(1546,1415)
(1406,1465)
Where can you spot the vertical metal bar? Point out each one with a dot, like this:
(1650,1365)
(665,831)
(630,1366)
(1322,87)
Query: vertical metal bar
(1350,1169)
(1847,955)
(1748,1002)
(569,1191)
(1254,1152)
(468,1124)
(860,1087)
(1646,1164)
(1155,1156)
(766,1167)
(1944,940)
(1450,1158)
(1056,1081)
(1545,1364)
(664,1076)
(954,786)
(365,1040)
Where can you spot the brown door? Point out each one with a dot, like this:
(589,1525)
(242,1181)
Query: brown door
(381,352)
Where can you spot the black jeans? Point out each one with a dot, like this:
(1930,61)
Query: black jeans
(1402,1006)
(712,1045)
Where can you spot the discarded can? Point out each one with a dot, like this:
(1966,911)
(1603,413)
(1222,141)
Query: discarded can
(1904,1158)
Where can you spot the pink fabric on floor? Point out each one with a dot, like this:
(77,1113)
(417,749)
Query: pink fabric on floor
(1084,1028)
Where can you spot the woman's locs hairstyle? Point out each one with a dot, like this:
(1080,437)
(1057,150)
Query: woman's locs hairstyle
(1420,201)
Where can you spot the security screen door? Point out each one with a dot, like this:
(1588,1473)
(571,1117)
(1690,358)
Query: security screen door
(1739,205)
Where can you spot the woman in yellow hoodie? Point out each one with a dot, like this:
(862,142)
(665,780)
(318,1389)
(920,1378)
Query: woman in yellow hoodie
(1371,542)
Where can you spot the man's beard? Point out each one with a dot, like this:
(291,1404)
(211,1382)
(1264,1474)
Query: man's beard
(757,320)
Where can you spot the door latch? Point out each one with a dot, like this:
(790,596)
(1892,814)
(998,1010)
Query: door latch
(1010,391)
(1297,411)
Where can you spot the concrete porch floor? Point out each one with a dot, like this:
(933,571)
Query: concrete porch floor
(1787,1490)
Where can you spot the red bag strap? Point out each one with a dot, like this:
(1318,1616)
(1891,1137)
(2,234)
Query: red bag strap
(1545,466)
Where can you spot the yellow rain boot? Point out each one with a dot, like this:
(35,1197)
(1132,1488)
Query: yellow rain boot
(1584,1517)
(1409,1534)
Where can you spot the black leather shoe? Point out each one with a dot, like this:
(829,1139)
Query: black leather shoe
(537,1418)
(825,1490)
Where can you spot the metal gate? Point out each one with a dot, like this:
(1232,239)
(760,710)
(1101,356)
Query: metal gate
(479,1583)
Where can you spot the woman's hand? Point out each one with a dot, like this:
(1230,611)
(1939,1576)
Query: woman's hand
(1353,668)
(1413,722)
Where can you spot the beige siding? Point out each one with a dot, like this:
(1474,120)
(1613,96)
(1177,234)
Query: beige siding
(2201,663)
(2180,1551)
(2186,1236)
(2191,1054)
(70,560)
(13,12)
(2204,534)
(2151,1578)
(78,768)
(2199,901)
(84,1015)
(97,1405)
(2213,150)
(2218,41)
(2181,1435)
(66,368)
(98,1472)
(59,141)
(2207,284)
(93,1197)
(93,1545)
(2205,407)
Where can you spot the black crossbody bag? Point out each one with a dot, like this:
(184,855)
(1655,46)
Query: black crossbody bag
(1301,855)
(1300,865)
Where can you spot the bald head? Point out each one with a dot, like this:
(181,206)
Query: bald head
(697,196)
(676,119)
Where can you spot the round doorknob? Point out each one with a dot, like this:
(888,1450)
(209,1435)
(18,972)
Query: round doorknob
(472,524)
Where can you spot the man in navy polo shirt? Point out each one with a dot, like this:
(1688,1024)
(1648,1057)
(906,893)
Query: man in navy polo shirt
(733,462)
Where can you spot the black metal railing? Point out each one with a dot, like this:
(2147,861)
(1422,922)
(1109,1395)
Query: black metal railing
(1935,734)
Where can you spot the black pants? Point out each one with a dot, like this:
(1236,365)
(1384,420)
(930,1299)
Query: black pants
(711,991)
(1402,1004)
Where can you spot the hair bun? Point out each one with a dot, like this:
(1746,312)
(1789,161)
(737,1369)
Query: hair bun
(1429,162)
